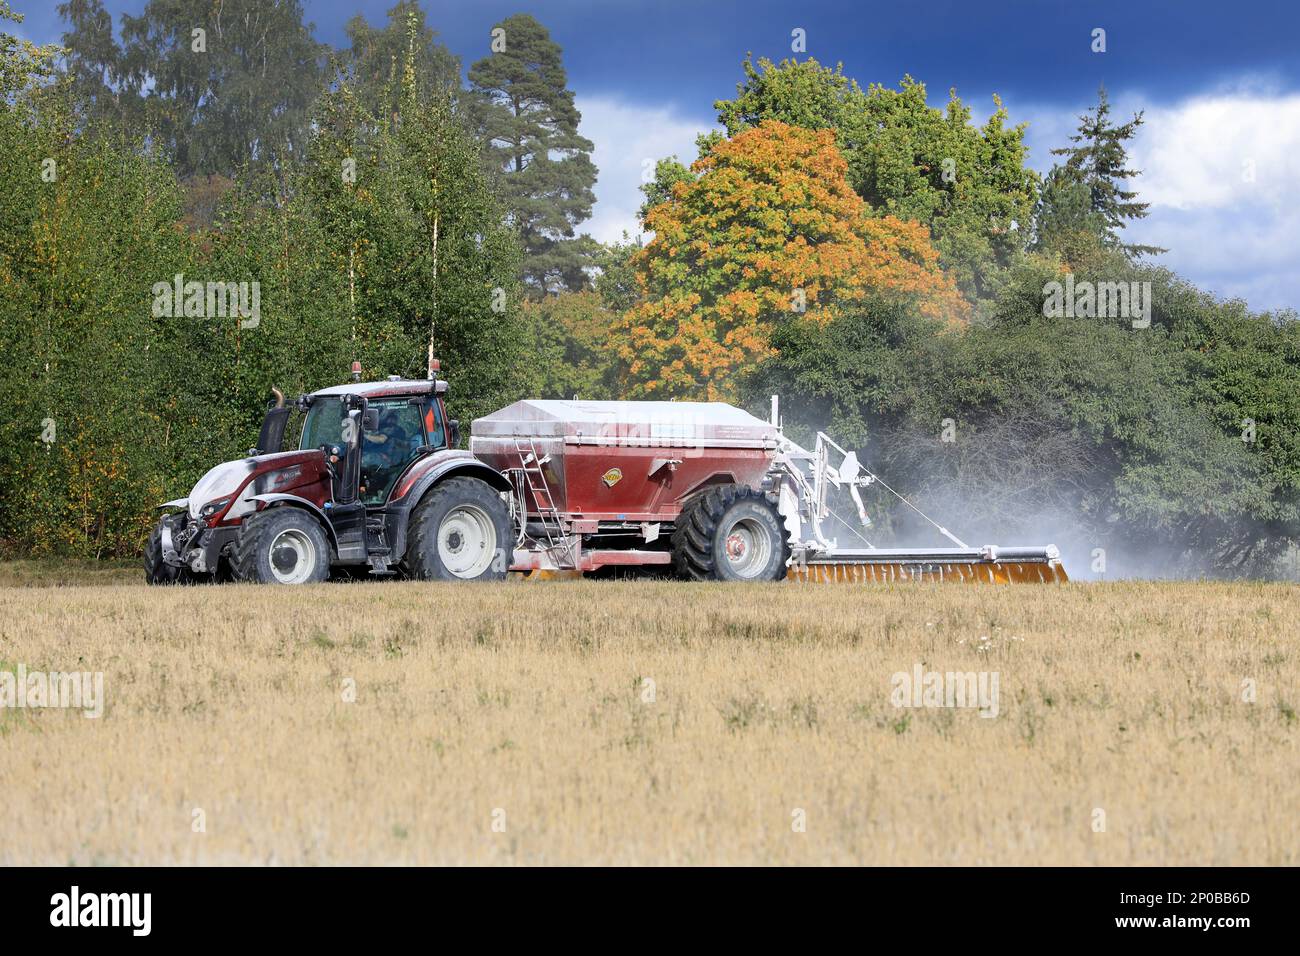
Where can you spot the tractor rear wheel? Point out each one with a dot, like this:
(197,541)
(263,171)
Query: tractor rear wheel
(460,531)
(284,545)
(731,533)
(158,571)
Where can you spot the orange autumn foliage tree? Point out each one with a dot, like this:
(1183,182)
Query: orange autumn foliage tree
(767,230)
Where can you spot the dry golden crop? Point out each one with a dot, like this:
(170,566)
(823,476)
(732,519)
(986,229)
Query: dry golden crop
(655,722)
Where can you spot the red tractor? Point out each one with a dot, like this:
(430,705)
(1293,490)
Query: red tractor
(376,483)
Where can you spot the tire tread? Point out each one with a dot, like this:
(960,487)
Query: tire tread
(697,526)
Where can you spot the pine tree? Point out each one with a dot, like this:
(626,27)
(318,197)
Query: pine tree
(526,114)
(1098,162)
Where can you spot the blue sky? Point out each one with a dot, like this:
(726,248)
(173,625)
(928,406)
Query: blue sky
(1220,85)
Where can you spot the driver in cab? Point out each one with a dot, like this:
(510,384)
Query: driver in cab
(385,450)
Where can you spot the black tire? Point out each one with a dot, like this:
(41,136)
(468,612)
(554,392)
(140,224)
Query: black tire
(156,570)
(731,533)
(284,545)
(460,531)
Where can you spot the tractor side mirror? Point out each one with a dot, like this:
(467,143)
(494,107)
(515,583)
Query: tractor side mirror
(372,420)
(453,432)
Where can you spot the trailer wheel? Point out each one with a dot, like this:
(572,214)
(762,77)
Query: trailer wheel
(731,533)
(460,531)
(284,545)
(158,571)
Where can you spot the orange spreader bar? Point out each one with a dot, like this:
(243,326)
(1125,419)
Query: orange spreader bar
(1008,572)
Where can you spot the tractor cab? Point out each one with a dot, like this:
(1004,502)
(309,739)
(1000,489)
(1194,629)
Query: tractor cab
(373,432)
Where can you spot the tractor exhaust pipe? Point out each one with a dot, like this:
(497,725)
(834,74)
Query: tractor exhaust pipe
(271,436)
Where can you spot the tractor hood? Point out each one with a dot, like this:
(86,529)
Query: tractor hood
(240,480)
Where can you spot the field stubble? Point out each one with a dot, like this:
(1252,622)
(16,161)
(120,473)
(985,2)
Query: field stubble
(516,723)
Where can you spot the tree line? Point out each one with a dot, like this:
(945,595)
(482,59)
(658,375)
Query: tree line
(881,263)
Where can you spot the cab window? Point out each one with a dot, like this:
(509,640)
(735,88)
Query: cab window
(323,424)
(386,451)
(437,435)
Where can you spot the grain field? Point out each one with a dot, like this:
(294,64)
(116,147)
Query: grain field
(654,723)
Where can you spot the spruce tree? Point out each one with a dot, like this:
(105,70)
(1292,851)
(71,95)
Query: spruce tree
(1098,162)
(526,115)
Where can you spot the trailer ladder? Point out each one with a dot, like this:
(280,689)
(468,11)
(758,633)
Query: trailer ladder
(558,542)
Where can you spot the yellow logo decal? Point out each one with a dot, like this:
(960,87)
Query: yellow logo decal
(612,477)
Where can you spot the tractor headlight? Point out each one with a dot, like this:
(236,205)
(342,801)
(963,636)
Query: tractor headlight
(212,507)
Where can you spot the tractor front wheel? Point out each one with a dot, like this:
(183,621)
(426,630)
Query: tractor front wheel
(284,545)
(460,531)
(158,571)
(731,533)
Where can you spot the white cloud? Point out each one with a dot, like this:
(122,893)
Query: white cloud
(627,136)
(1219,170)
(1221,152)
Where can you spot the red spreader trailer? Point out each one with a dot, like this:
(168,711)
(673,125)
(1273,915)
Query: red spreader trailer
(606,481)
